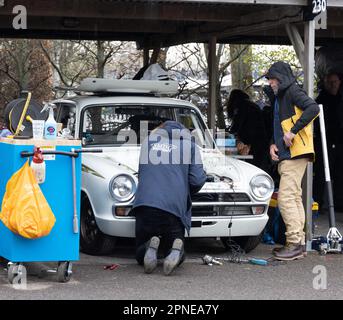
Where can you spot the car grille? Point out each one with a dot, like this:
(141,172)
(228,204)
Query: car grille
(215,211)
(208,210)
(220,197)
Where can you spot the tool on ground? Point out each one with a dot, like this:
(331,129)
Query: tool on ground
(211,261)
(260,262)
(111,267)
(333,241)
(234,259)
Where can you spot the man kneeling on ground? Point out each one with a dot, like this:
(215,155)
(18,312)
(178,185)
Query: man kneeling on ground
(170,170)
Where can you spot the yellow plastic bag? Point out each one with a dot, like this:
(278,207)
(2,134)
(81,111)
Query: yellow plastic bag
(25,210)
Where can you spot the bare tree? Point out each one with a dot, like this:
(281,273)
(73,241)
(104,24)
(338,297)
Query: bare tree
(241,68)
(23,66)
(73,61)
(192,63)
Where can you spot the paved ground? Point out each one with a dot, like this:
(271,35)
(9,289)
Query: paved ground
(292,280)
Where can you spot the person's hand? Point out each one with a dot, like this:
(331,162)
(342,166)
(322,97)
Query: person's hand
(243,149)
(288,138)
(273,150)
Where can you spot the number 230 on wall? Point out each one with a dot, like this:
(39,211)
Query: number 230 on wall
(318,6)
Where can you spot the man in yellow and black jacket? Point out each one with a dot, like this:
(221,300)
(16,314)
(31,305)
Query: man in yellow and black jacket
(292,147)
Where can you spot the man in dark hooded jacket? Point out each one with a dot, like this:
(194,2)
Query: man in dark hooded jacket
(292,147)
(170,170)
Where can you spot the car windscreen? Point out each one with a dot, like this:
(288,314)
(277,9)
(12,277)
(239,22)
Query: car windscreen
(130,124)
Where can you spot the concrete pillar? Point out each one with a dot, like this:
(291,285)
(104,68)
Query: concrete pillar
(309,87)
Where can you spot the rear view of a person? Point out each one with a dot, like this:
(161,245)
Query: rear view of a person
(247,124)
(170,170)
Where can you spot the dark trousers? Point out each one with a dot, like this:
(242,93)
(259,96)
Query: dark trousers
(152,222)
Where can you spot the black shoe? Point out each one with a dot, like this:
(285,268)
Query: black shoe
(174,257)
(289,252)
(150,257)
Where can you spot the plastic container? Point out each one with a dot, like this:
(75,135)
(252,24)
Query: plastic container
(38,165)
(38,129)
(50,128)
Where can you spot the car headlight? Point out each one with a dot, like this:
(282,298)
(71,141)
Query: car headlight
(123,187)
(262,187)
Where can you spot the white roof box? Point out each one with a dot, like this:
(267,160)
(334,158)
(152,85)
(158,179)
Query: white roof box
(128,86)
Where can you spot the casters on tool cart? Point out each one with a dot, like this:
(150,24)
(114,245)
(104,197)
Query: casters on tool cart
(15,273)
(64,271)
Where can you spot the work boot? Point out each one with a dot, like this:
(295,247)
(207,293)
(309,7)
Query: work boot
(290,251)
(174,257)
(277,249)
(303,246)
(150,257)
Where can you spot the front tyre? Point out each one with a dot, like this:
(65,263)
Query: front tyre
(92,240)
(247,243)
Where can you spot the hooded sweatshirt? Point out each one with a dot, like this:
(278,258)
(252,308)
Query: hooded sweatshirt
(293,111)
(170,169)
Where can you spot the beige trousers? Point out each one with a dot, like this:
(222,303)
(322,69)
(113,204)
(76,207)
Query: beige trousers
(290,199)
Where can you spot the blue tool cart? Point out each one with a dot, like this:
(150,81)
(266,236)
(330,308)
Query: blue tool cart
(61,190)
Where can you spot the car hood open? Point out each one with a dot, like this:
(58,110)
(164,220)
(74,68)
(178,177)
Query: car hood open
(126,160)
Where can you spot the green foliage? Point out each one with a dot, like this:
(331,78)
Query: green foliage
(264,56)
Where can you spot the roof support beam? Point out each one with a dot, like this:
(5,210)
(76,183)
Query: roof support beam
(255,22)
(297,42)
(95,25)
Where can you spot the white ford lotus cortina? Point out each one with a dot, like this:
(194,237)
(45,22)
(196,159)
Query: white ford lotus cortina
(232,203)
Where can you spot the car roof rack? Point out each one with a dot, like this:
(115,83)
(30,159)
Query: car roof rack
(120,87)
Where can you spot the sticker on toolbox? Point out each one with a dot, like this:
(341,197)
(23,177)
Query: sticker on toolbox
(49,156)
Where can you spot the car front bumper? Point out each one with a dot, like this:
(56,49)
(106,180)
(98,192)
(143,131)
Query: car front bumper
(201,226)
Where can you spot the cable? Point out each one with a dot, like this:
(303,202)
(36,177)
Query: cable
(236,251)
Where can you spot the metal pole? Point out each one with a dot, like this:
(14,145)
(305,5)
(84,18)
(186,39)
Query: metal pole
(332,217)
(309,87)
(212,70)
(75,218)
